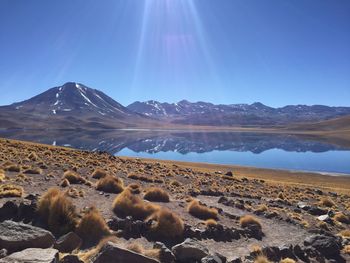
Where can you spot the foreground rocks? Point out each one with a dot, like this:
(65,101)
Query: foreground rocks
(111,252)
(18,236)
(189,251)
(33,255)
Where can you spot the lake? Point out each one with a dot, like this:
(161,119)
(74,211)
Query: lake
(281,151)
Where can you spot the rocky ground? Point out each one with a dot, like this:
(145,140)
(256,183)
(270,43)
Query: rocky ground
(110,209)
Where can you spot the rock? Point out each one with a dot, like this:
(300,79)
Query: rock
(235,260)
(33,255)
(8,211)
(316,211)
(329,246)
(165,255)
(229,173)
(18,236)
(299,252)
(71,259)
(3,253)
(189,250)
(272,253)
(68,242)
(27,211)
(286,251)
(325,218)
(211,259)
(111,252)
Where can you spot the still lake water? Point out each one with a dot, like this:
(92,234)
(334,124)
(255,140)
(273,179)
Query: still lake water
(279,151)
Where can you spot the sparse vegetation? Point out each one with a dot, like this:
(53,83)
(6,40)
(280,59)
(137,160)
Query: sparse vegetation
(211,222)
(327,202)
(156,194)
(110,184)
(98,173)
(201,211)
(128,204)
(10,190)
(73,177)
(134,188)
(92,227)
(287,260)
(342,218)
(261,259)
(248,220)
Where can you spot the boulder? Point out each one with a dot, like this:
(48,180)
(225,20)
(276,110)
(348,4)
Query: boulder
(165,255)
(68,242)
(18,236)
(71,259)
(8,211)
(3,253)
(189,250)
(327,245)
(33,255)
(111,252)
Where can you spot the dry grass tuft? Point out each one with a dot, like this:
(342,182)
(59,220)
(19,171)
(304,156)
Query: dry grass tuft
(248,220)
(33,171)
(327,202)
(342,218)
(33,156)
(346,249)
(128,204)
(87,255)
(64,183)
(92,228)
(345,233)
(134,188)
(156,194)
(144,178)
(210,223)
(110,184)
(137,248)
(201,211)
(287,260)
(2,176)
(261,259)
(12,168)
(98,173)
(73,177)
(168,225)
(281,196)
(10,190)
(57,211)
(261,208)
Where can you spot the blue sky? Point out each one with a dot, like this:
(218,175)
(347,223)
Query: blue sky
(224,51)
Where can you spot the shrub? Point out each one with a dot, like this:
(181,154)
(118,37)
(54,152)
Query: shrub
(261,208)
(211,223)
(73,177)
(326,201)
(64,183)
(248,220)
(134,188)
(201,211)
(99,173)
(144,178)
(287,260)
(33,156)
(33,171)
(57,211)
(127,204)
(261,259)
(10,190)
(156,194)
(168,224)
(345,233)
(92,228)
(346,249)
(12,168)
(340,217)
(281,195)
(110,184)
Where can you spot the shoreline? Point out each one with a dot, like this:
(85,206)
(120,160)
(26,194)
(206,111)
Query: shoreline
(338,183)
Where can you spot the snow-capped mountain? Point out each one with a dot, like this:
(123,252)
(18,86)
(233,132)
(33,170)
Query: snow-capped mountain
(203,113)
(72,105)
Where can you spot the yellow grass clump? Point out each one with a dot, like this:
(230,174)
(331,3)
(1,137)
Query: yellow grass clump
(64,183)
(10,190)
(57,211)
(346,249)
(326,201)
(2,176)
(261,259)
(110,184)
(168,224)
(12,168)
(201,211)
(248,220)
(287,260)
(151,253)
(33,171)
(156,194)
(92,227)
(134,188)
(73,177)
(128,204)
(33,156)
(345,233)
(261,208)
(210,222)
(342,218)
(98,173)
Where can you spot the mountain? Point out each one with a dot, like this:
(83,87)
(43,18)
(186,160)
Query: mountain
(256,114)
(72,105)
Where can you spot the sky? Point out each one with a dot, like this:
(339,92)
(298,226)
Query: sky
(277,52)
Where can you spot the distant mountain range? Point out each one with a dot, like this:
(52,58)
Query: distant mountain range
(73,105)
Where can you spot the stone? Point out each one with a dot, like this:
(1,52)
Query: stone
(3,253)
(71,259)
(189,250)
(325,218)
(165,255)
(8,211)
(111,252)
(68,242)
(316,211)
(235,260)
(18,236)
(327,245)
(229,173)
(272,253)
(211,259)
(33,255)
